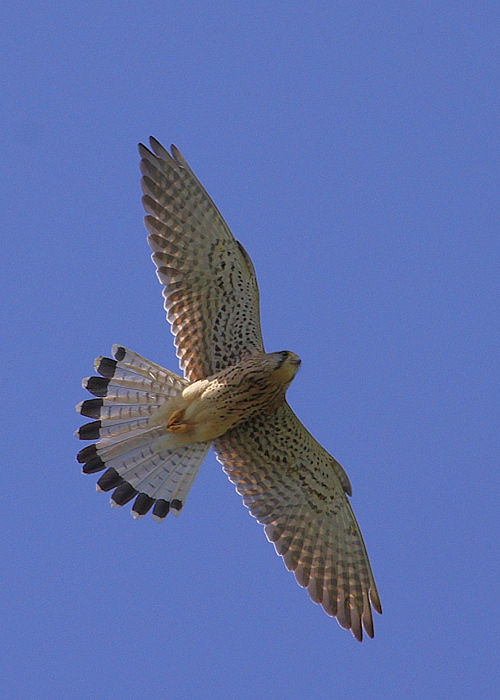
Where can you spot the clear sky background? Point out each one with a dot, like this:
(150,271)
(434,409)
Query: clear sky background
(353,148)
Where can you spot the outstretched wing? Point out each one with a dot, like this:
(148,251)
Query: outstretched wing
(298,492)
(211,293)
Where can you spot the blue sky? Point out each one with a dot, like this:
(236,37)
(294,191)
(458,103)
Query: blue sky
(353,149)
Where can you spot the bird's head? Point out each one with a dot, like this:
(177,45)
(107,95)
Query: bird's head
(286,365)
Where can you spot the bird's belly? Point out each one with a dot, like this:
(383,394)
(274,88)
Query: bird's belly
(210,407)
(221,407)
(208,417)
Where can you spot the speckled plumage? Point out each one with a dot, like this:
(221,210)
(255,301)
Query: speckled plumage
(298,492)
(153,428)
(211,294)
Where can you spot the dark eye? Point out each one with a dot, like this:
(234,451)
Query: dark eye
(284,354)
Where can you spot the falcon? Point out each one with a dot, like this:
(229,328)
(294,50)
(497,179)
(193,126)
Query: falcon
(151,428)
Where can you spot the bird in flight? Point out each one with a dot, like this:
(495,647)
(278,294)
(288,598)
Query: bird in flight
(151,428)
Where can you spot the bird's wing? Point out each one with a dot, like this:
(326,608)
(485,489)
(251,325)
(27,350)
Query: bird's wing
(211,293)
(298,492)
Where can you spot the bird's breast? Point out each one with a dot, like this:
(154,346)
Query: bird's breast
(210,407)
(223,404)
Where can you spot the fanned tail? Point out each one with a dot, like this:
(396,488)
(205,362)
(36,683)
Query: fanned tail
(137,454)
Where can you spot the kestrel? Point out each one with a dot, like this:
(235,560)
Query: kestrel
(154,428)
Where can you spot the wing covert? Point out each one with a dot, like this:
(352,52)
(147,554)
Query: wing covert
(211,293)
(298,491)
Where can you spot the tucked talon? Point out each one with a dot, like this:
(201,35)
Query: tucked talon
(174,424)
(177,428)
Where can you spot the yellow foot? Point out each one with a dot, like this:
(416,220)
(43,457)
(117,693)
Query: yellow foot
(174,424)
(177,428)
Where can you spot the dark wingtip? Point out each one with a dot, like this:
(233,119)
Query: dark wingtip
(160,509)
(375,600)
(89,431)
(88,453)
(154,143)
(106,367)
(143,150)
(93,466)
(123,494)
(369,630)
(178,157)
(142,504)
(119,353)
(96,385)
(109,480)
(90,408)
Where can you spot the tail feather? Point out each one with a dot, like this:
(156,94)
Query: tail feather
(138,456)
(130,379)
(95,408)
(114,393)
(125,379)
(138,364)
(189,473)
(109,448)
(166,474)
(101,429)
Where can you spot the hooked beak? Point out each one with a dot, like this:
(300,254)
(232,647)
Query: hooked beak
(295,360)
